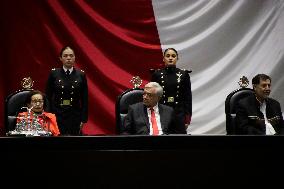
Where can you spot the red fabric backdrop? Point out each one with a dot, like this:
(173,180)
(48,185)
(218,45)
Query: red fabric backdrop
(113,41)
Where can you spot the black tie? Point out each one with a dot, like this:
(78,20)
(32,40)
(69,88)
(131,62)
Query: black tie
(68,72)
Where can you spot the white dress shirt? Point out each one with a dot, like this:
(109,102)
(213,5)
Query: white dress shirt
(65,70)
(269,130)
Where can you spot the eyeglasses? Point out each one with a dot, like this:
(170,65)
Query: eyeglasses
(37,101)
(150,95)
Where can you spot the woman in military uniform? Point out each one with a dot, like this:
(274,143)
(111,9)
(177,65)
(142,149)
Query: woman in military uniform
(177,87)
(67,93)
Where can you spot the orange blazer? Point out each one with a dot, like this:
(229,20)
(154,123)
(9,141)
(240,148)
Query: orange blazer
(49,118)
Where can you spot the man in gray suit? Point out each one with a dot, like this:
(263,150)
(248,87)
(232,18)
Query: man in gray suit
(151,118)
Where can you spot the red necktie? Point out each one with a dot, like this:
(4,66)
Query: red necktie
(154,122)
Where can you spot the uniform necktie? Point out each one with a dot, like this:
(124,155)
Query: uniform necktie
(68,72)
(154,122)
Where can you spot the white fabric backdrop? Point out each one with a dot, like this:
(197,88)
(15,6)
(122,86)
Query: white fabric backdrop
(222,40)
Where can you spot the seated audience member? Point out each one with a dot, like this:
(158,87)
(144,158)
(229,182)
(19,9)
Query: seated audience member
(151,118)
(35,104)
(258,114)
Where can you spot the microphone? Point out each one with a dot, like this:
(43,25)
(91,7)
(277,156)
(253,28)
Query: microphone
(24,107)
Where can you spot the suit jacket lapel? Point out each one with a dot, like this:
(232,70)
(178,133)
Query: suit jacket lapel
(145,116)
(161,112)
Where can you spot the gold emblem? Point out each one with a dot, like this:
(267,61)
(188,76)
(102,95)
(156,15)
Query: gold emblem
(27,83)
(66,103)
(243,82)
(136,81)
(171,99)
(179,75)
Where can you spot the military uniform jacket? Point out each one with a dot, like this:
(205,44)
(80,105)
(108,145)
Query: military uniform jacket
(177,89)
(68,93)
(250,120)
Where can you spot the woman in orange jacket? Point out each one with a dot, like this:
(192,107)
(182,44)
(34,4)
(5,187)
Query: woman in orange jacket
(35,111)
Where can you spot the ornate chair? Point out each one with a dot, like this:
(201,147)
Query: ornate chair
(128,97)
(14,103)
(231,102)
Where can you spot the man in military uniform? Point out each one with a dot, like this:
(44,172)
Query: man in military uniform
(67,93)
(177,87)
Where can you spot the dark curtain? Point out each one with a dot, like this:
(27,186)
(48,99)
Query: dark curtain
(113,41)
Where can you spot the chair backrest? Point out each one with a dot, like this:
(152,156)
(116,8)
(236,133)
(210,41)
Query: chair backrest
(128,97)
(13,104)
(230,108)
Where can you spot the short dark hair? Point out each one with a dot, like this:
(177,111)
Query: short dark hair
(34,92)
(256,80)
(64,48)
(170,49)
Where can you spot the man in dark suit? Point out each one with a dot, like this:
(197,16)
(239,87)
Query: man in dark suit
(258,114)
(151,118)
